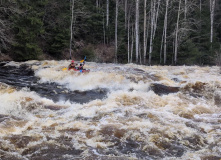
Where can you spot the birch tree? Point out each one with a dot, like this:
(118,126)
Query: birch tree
(104,28)
(128,36)
(130,30)
(71,28)
(116,26)
(185,10)
(128,41)
(212,9)
(154,18)
(132,44)
(145,29)
(165,34)
(125,8)
(107,13)
(161,46)
(153,12)
(176,34)
(137,29)
(200,7)
(97,3)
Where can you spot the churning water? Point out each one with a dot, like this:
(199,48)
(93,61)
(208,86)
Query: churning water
(115,112)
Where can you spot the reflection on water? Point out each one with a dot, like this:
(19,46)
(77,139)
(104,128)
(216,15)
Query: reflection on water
(118,112)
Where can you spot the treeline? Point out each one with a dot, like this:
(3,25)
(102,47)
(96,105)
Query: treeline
(141,31)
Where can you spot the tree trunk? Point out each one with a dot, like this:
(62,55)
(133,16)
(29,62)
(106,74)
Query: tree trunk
(137,30)
(161,46)
(156,18)
(185,9)
(153,12)
(148,28)
(200,7)
(176,35)
(128,36)
(140,56)
(71,28)
(97,3)
(165,34)
(125,7)
(104,28)
(107,12)
(145,29)
(132,45)
(116,25)
(212,9)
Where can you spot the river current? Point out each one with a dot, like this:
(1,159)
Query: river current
(114,112)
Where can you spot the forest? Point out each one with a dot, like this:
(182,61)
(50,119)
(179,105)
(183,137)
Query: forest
(149,32)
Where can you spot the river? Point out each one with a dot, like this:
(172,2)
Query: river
(114,112)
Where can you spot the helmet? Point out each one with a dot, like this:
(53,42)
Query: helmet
(72,61)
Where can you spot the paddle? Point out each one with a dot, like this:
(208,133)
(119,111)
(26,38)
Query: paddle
(83,59)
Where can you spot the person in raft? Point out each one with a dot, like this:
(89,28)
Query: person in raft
(72,65)
(81,66)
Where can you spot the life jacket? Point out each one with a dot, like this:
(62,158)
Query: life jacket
(80,67)
(70,66)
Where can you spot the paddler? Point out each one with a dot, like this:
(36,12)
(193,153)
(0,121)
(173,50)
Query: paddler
(72,65)
(81,66)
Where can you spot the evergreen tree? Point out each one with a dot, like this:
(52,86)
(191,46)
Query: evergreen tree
(57,27)
(31,28)
(28,27)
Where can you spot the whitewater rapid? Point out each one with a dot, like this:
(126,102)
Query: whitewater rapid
(131,112)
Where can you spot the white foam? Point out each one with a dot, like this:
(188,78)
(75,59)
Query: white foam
(129,105)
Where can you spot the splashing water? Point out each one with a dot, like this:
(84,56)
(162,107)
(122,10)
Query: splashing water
(113,112)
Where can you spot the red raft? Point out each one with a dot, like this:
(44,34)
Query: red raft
(80,70)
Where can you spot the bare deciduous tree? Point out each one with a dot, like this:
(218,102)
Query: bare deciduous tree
(154,16)
(145,29)
(125,8)
(132,44)
(107,13)
(165,34)
(128,36)
(116,26)
(176,34)
(137,29)
(71,28)
(212,9)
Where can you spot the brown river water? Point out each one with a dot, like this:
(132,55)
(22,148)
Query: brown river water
(114,112)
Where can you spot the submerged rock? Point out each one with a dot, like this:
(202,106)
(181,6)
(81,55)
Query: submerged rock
(210,157)
(196,87)
(23,77)
(206,90)
(47,151)
(217,99)
(3,117)
(54,107)
(162,89)
(3,63)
